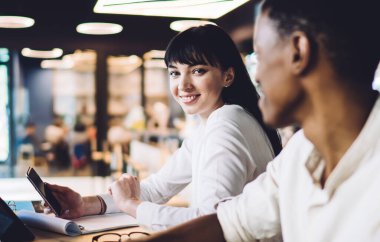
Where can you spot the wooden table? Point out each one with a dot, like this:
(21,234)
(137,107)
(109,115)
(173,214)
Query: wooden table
(19,189)
(45,236)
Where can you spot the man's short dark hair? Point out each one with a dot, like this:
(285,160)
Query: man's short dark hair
(347,30)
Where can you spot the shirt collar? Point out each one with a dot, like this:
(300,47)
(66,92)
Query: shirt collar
(354,156)
(315,166)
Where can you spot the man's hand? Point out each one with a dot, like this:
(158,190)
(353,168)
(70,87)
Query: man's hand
(126,193)
(71,202)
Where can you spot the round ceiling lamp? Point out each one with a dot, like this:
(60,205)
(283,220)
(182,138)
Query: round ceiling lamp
(182,25)
(57,64)
(15,22)
(99,28)
(43,54)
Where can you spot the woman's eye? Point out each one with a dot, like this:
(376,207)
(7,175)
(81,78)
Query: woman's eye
(173,73)
(199,71)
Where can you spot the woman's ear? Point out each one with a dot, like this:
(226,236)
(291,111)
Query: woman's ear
(229,77)
(301,48)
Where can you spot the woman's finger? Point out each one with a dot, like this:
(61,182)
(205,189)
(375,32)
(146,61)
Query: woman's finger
(47,210)
(44,204)
(109,190)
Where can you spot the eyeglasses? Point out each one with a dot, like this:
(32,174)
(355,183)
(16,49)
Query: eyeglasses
(115,237)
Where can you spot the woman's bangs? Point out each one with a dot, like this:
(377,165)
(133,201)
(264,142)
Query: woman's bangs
(188,54)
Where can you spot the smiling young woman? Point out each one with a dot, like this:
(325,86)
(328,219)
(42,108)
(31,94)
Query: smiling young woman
(230,148)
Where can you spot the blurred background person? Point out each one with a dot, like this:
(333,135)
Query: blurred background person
(58,155)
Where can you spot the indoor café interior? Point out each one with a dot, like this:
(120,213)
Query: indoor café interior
(85,95)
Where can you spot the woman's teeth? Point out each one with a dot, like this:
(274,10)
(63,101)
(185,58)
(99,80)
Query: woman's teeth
(188,98)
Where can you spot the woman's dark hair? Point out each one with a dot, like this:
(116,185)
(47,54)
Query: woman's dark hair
(347,30)
(210,45)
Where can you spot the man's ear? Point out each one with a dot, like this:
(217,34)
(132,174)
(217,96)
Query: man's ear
(229,77)
(301,56)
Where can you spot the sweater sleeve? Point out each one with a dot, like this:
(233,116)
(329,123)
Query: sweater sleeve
(111,206)
(221,172)
(174,176)
(167,182)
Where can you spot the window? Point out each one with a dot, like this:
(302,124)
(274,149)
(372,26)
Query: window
(4,102)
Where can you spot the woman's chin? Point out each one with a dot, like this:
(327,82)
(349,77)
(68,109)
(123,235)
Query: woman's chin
(189,111)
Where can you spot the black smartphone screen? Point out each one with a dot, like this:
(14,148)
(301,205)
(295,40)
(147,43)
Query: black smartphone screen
(44,191)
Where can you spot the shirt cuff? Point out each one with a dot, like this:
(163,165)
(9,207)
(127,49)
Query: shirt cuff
(143,212)
(111,206)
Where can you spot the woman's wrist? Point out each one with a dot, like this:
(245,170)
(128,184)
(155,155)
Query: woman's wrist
(131,206)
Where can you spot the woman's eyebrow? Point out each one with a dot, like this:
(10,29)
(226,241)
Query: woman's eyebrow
(198,64)
(171,66)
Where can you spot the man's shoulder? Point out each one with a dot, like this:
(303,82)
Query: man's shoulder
(298,137)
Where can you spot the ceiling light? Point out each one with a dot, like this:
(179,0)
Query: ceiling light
(57,64)
(154,64)
(82,57)
(124,60)
(44,54)
(15,22)
(154,59)
(99,28)
(210,9)
(123,64)
(154,54)
(182,25)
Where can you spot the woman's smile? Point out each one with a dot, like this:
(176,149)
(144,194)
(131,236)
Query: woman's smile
(189,99)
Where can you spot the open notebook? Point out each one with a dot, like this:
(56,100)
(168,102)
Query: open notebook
(84,225)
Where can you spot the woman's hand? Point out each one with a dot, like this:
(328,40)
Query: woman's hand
(71,202)
(125,192)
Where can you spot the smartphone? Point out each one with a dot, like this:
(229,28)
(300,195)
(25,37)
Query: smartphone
(44,191)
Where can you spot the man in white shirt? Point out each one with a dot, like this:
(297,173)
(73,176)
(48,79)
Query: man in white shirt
(316,64)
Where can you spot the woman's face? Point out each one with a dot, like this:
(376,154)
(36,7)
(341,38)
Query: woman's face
(197,88)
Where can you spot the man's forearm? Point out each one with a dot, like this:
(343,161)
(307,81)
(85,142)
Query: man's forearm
(206,228)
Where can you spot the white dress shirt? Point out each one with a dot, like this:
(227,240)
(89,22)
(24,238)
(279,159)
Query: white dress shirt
(288,197)
(218,159)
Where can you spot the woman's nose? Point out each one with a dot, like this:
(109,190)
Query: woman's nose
(185,84)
